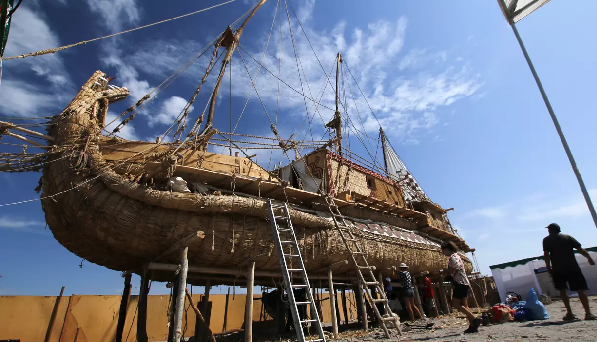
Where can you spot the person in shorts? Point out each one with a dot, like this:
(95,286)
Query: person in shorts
(558,250)
(408,292)
(461,284)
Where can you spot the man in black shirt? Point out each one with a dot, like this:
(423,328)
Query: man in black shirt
(561,264)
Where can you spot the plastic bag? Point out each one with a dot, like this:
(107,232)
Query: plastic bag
(535,306)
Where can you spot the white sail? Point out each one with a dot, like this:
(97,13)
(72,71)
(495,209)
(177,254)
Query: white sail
(397,171)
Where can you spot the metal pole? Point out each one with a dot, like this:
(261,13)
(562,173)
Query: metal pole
(556,123)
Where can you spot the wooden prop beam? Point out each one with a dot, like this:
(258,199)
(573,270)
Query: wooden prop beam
(249,303)
(333,303)
(181,295)
(181,244)
(10,125)
(198,313)
(123,306)
(53,317)
(142,309)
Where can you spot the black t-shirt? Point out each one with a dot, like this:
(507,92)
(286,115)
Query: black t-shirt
(561,251)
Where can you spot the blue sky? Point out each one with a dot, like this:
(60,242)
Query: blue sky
(446,79)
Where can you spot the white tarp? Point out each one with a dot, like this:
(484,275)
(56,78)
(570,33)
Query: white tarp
(521,277)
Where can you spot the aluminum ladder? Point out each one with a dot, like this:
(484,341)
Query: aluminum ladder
(366,280)
(289,253)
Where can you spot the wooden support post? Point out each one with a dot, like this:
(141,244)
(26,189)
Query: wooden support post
(363,307)
(249,304)
(442,294)
(201,329)
(181,295)
(436,306)
(345,306)
(142,309)
(172,319)
(53,317)
(123,306)
(418,298)
(225,324)
(198,313)
(280,310)
(333,304)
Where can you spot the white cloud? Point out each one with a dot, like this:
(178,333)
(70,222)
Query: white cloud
(408,104)
(484,236)
(169,111)
(555,211)
(29,32)
(126,132)
(489,212)
(9,223)
(19,98)
(115,14)
(419,58)
(126,74)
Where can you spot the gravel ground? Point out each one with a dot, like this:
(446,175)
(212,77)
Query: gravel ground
(451,329)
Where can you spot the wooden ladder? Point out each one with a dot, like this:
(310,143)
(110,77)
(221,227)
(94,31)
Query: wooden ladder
(365,274)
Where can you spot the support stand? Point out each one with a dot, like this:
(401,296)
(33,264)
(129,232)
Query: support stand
(249,304)
(123,306)
(142,309)
(180,298)
(333,304)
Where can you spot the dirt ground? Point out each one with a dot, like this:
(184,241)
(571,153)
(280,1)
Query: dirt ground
(451,329)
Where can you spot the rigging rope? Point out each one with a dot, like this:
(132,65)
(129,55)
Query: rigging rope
(54,50)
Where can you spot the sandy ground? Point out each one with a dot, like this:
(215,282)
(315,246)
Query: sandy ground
(451,329)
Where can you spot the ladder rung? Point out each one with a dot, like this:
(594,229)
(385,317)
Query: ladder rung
(303,303)
(281,217)
(298,285)
(309,320)
(379,300)
(365,267)
(295,270)
(288,242)
(285,230)
(319,339)
(292,255)
(389,318)
(371,283)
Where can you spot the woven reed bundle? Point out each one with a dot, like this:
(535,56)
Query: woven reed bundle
(120,224)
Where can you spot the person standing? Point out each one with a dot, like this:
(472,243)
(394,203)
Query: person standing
(429,297)
(408,292)
(558,250)
(461,286)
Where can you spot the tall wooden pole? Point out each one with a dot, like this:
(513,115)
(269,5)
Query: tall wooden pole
(333,304)
(124,301)
(54,311)
(345,306)
(418,298)
(362,306)
(181,295)
(142,309)
(249,304)
(232,40)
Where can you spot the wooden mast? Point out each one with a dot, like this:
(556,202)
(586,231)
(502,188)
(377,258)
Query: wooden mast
(336,122)
(382,136)
(229,40)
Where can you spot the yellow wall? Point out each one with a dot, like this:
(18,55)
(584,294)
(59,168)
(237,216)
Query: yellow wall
(26,318)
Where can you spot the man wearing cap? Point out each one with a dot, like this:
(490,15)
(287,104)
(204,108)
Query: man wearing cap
(561,264)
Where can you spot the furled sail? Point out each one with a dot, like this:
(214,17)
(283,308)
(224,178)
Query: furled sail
(397,171)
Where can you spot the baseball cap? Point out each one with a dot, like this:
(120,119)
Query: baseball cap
(554,226)
(403,265)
